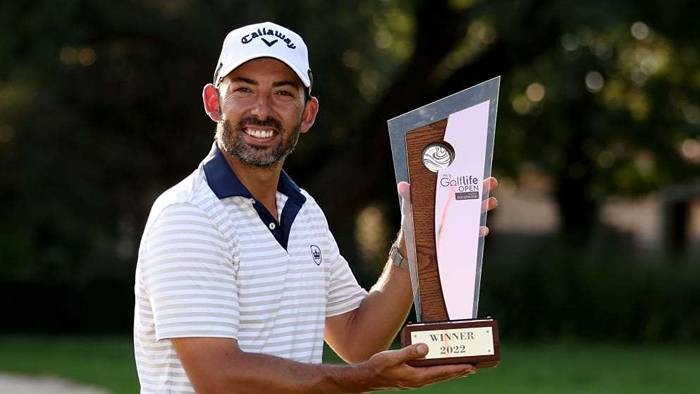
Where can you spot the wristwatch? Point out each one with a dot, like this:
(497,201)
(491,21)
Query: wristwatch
(397,260)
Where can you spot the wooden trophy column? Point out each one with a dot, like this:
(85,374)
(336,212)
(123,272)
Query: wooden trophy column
(423,202)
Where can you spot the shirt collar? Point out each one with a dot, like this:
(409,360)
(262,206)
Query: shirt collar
(224,182)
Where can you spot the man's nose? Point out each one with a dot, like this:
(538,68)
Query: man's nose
(262,106)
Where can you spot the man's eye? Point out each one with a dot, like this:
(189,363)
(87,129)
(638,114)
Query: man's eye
(242,89)
(285,93)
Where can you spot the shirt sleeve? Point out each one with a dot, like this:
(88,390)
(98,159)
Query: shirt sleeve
(344,294)
(189,276)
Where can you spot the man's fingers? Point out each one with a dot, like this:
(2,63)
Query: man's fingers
(414,351)
(484,231)
(400,356)
(490,183)
(407,353)
(443,372)
(489,204)
(404,189)
(394,372)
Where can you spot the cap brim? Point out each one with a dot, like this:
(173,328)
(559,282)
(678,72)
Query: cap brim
(227,68)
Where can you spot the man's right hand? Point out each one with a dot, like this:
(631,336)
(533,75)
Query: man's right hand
(218,365)
(388,369)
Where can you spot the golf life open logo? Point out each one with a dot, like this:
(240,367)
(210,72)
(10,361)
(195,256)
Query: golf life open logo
(466,187)
(316,254)
(269,36)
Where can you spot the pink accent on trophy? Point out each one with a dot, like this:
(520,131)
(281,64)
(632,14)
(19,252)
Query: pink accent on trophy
(458,195)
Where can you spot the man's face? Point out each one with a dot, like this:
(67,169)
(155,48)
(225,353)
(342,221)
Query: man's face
(262,104)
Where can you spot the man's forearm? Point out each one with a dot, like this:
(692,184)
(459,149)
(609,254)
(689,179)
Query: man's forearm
(375,323)
(218,365)
(256,373)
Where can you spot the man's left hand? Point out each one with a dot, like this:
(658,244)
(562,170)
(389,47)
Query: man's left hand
(490,203)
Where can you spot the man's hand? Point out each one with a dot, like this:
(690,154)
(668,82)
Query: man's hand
(358,334)
(388,369)
(490,203)
(218,365)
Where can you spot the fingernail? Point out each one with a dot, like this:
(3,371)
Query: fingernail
(421,348)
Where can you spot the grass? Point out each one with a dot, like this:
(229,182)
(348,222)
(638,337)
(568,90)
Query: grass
(584,368)
(562,367)
(105,362)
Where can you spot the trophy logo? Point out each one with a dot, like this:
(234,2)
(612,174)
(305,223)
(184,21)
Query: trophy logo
(444,150)
(437,156)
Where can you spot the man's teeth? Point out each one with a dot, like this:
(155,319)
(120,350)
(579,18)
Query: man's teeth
(259,133)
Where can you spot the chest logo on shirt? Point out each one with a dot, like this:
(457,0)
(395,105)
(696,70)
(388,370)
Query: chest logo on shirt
(316,254)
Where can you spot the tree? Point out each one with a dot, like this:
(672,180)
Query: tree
(100,109)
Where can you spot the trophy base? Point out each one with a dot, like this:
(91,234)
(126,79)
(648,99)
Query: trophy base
(473,341)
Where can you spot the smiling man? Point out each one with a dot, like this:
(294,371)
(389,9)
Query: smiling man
(239,279)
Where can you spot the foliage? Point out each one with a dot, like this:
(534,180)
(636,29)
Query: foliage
(546,290)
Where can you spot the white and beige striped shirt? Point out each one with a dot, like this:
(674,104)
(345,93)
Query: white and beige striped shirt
(214,263)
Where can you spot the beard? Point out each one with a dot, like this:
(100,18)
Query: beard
(229,136)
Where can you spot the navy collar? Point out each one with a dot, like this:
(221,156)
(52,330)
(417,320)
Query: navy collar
(224,182)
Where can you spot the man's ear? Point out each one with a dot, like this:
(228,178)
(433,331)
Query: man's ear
(210,97)
(308,117)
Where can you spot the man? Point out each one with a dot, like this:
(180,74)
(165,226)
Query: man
(239,279)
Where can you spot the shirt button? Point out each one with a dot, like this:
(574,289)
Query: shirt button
(272,226)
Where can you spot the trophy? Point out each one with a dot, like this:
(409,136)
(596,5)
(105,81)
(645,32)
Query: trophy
(444,150)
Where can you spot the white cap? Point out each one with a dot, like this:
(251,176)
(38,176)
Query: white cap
(265,39)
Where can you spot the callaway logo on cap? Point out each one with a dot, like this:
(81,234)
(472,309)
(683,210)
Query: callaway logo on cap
(265,39)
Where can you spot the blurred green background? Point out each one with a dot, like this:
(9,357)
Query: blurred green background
(594,246)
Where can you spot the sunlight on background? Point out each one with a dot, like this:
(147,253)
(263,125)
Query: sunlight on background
(371,234)
(597,151)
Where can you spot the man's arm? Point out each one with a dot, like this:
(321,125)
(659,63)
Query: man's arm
(360,333)
(218,365)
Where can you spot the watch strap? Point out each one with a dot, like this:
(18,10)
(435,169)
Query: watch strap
(396,257)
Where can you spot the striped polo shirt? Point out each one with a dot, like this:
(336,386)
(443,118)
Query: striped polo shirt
(213,262)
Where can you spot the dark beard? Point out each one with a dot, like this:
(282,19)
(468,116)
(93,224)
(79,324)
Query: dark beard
(256,156)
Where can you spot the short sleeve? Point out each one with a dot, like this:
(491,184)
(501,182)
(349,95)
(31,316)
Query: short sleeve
(344,294)
(188,276)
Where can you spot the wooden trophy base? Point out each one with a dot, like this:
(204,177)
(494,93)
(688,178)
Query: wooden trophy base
(473,341)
